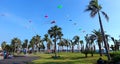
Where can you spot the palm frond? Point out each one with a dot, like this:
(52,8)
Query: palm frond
(93,13)
(106,16)
(89,8)
(112,39)
(93,8)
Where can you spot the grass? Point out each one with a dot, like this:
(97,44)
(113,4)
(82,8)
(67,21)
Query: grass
(67,58)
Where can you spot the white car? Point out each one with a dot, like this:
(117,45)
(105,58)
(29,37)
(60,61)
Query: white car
(1,55)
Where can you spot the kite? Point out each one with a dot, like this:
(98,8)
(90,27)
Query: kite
(46,16)
(59,6)
(70,20)
(2,14)
(80,29)
(30,21)
(75,23)
(84,31)
(53,22)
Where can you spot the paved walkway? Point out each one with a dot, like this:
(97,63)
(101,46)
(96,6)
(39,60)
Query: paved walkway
(19,60)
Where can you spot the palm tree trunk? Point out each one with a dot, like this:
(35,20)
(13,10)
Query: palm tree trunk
(94,48)
(48,48)
(81,47)
(67,48)
(58,49)
(62,49)
(78,48)
(72,48)
(100,51)
(86,55)
(103,35)
(55,48)
(33,49)
(91,50)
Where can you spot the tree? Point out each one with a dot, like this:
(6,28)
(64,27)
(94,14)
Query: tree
(94,9)
(112,47)
(54,33)
(32,43)
(16,43)
(99,39)
(72,43)
(87,49)
(8,48)
(67,43)
(61,43)
(107,40)
(3,45)
(77,41)
(25,44)
(91,42)
(37,41)
(48,41)
(81,43)
(116,43)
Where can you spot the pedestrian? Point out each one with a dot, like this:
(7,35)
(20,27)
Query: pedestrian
(100,61)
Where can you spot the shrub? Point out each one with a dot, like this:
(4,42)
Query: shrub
(115,56)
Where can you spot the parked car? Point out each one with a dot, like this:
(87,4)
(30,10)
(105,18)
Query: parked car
(1,53)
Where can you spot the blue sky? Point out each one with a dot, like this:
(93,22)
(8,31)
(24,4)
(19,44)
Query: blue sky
(15,17)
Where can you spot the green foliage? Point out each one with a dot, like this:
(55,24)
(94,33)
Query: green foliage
(115,56)
(114,53)
(3,45)
(67,58)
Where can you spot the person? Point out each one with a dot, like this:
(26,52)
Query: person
(100,61)
(5,54)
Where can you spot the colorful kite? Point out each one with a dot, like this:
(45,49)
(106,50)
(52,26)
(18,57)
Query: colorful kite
(46,16)
(53,22)
(30,21)
(75,23)
(2,14)
(80,29)
(83,31)
(59,6)
(70,20)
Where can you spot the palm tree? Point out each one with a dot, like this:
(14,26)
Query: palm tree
(76,40)
(94,9)
(8,48)
(25,45)
(37,41)
(81,42)
(116,43)
(61,43)
(99,39)
(16,43)
(107,40)
(48,41)
(67,43)
(54,33)
(112,47)
(72,43)
(91,42)
(3,45)
(87,48)
(32,43)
